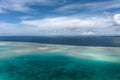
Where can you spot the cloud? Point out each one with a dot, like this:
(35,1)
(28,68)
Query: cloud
(22,5)
(17,29)
(60,5)
(73,25)
(93,6)
(116,22)
(26,17)
(88,33)
(58,26)
(62,22)
(116,19)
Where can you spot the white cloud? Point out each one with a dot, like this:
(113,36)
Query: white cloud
(17,29)
(24,5)
(116,19)
(93,6)
(88,33)
(116,22)
(26,17)
(62,22)
(21,5)
(58,26)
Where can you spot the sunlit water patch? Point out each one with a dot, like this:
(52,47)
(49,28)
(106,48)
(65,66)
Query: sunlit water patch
(34,61)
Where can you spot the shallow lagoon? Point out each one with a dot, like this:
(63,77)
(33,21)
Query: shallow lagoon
(34,61)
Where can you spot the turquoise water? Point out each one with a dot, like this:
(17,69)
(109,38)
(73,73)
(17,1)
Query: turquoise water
(32,61)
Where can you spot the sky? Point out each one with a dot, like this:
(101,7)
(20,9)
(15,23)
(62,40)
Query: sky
(59,17)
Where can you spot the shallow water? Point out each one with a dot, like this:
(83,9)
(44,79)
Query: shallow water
(33,61)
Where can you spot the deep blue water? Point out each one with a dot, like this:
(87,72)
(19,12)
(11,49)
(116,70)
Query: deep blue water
(113,41)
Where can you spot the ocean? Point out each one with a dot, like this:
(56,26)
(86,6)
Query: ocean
(59,58)
(107,41)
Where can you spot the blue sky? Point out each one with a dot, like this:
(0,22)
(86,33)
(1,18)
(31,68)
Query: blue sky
(59,17)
